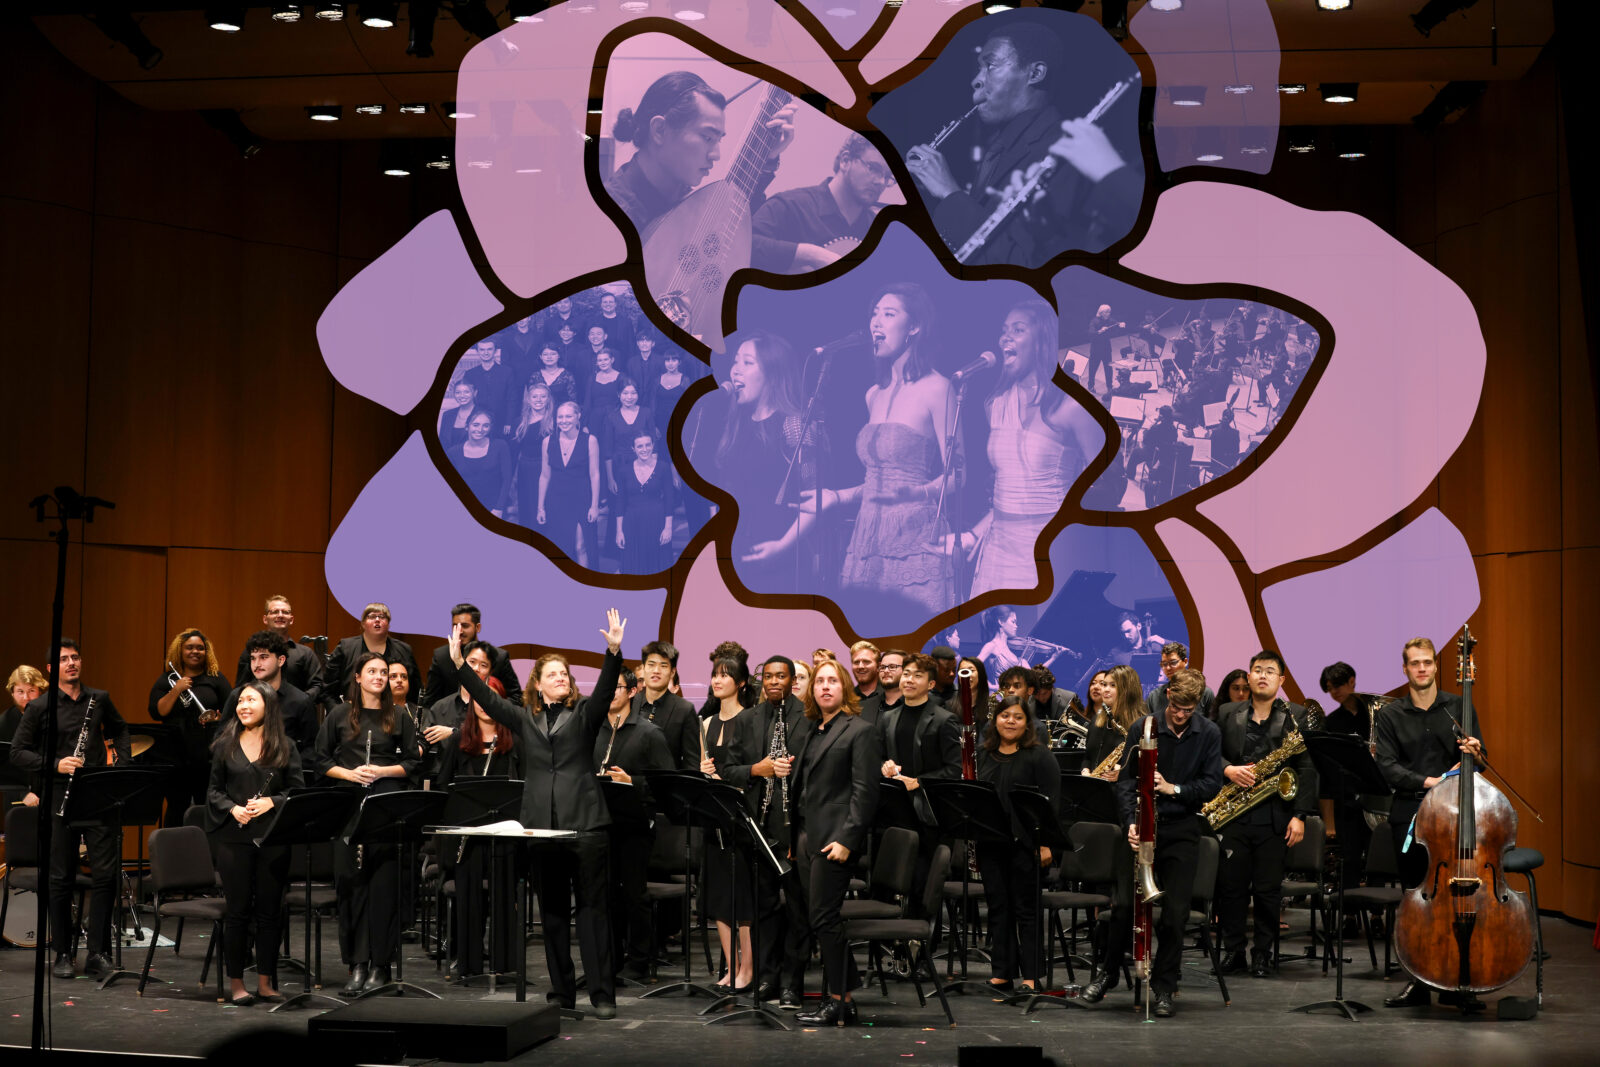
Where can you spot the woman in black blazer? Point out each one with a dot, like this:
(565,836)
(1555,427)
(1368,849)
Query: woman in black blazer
(555,733)
(368,744)
(1013,756)
(832,799)
(253,766)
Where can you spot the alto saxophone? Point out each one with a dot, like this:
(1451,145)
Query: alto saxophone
(1273,778)
(1113,761)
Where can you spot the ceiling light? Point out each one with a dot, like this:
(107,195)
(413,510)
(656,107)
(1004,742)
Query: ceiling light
(394,159)
(689,10)
(413,109)
(1302,142)
(379,16)
(1334,5)
(397,170)
(453,110)
(225,18)
(1208,146)
(1187,95)
(841,10)
(635,7)
(442,163)
(1338,92)
(329,12)
(231,126)
(1435,12)
(527,10)
(325,112)
(120,27)
(1165,5)
(993,9)
(529,170)
(1291,88)
(370,109)
(286,12)
(1239,90)
(422,13)
(1253,148)
(1350,144)
(581,7)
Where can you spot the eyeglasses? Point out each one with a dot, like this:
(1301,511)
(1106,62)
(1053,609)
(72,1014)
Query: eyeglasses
(374,615)
(1265,672)
(878,171)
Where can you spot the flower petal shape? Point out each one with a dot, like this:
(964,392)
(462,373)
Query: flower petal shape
(846,21)
(709,613)
(914,27)
(529,597)
(1226,636)
(1424,578)
(1409,357)
(382,333)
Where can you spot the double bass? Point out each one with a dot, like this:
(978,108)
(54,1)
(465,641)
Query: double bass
(1463,928)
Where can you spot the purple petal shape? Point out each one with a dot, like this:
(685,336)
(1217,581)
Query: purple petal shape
(846,21)
(1424,578)
(909,35)
(1407,364)
(371,558)
(519,157)
(1213,46)
(1225,634)
(383,334)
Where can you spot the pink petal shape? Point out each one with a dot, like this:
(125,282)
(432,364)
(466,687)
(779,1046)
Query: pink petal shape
(1424,577)
(1225,634)
(1407,365)
(846,21)
(384,333)
(371,557)
(909,35)
(1213,45)
(529,116)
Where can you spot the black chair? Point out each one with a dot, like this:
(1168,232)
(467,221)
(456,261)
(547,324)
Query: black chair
(1523,861)
(1090,863)
(180,874)
(1382,891)
(889,881)
(963,922)
(22,865)
(1202,908)
(1307,860)
(324,901)
(911,932)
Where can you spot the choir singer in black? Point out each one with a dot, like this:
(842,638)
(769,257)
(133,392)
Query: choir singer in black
(556,732)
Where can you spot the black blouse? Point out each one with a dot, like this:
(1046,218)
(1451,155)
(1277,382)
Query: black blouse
(456,764)
(339,746)
(235,779)
(1032,767)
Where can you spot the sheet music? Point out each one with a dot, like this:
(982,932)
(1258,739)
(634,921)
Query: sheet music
(504,828)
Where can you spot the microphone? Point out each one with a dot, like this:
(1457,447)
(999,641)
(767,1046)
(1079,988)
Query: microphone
(982,363)
(844,342)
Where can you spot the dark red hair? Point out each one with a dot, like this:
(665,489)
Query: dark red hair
(471,739)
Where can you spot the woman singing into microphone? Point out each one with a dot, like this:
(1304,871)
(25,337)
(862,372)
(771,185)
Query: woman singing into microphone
(832,799)
(366,743)
(253,766)
(555,732)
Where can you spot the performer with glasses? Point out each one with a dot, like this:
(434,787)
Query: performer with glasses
(793,229)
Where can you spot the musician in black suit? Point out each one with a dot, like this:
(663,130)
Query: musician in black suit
(832,800)
(268,656)
(920,737)
(1094,196)
(442,673)
(374,637)
(556,730)
(90,714)
(254,764)
(303,668)
(656,701)
(762,774)
(1255,844)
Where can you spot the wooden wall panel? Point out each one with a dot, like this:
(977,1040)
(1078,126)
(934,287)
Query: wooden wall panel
(223,592)
(60,114)
(45,278)
(124,633)
(1582,892)
(27,589)
(1580,728)
(1580,436)
(1512,141)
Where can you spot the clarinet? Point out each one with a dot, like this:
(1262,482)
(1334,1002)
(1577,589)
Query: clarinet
(366,762)
(77,753)
(779,749)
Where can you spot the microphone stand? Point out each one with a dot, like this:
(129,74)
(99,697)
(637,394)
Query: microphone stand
(816,489)
(951,439)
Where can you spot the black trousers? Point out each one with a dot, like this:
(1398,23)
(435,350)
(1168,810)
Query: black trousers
(368,899)
(1413,865)
(1014,911)
(785,932)
(254,881)
(565,868)
(1177,849)
(1250,868)
(629,904)
(475,899)
(101,842)
(826,883)
(186,785)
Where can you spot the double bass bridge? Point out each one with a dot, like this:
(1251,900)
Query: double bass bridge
(1465,886)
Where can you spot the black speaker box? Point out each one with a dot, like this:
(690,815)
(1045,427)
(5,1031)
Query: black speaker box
(388,1029)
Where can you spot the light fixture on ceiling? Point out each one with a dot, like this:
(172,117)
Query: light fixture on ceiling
(379,16)
(528,10)
(1291,88)
(1435,12)
(1165,5)
(225,18)
(1339,92)
(1351,144)
(1208,145)
(635,7)
(1239,90)
(325,112)
(1334,5)
(227,122)
(442,163)
(1187,95)
(413,109)
(1302,142)
(394,159)
(841,9)
(329,12)
(995,7)
(459,110)
(689,10)
(120,27)
(286,12)
(370,109)
(422,13)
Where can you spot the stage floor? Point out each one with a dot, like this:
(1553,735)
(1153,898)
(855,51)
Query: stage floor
(183,1020)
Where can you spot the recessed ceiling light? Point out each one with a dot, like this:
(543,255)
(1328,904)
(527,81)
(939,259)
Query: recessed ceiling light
(370,109)
(635,7)
(442,163)
(453,110)
(1334,5)
(1166,5)
(1253,149)
(225,18)
(379,16)
(325,112)
(286,12)
(1187,95)
(528,10)
(413,109)
(530,170)
(1239,90)
(1339,92)
(330,12)
(1292,88)
(1302,143)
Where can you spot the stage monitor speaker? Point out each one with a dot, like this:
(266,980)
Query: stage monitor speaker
(396,1028)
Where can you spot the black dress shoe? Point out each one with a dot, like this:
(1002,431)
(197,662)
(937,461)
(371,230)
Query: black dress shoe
(1414,995)
(829,1014)
(358,979)
(789,1000)
(1468,1002)
(1002,986)
(1260,966)
(1234,963)
(97,965)
(605,1009)
(768,991)
(848,1016)
(65,967)
(1100,982)
(556,998)
(1163,1006)
(379,978)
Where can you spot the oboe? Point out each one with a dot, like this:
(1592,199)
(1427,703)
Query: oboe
(77,753)
(947,130)
(779,749)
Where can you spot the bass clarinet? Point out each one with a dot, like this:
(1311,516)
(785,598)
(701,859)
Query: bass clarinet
(77,753)
(1145,890)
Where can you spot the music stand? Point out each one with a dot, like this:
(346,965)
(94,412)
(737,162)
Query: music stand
(397,818)
(1041,827)
(677,796)
(630,815)
(724,806)
(1337,755)
(114,796)
(1086,799)
(473,802)
(970,811)
(309,817)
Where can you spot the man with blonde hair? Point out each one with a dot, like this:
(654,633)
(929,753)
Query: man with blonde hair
(303,668)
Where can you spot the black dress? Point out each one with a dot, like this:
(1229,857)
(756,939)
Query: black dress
(567,498)
(488,476)
(752,468)
(729,887)
(530,456)
(664,400)
(601,399)
(187,744)
(644,507)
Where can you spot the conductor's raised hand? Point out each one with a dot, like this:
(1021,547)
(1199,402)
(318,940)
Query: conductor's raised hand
(455,647)
(615,624)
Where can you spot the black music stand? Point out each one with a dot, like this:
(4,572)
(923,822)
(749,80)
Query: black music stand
(1041,827)
(970,811)
(397,818)
(631,814)
(473,802)
(1086,799)
(677,797)
(724,806)
(310,817)
(115,796)
(1336,756)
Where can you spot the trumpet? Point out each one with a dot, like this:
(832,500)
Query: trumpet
(944,132)
(207,715)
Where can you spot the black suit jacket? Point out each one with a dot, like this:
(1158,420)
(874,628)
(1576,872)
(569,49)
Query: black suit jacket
(442,676)
(560,790)
(938,751)
(838,796)
(678,722)
(303,668)
(752,742)
(341,664)
(1232,719)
